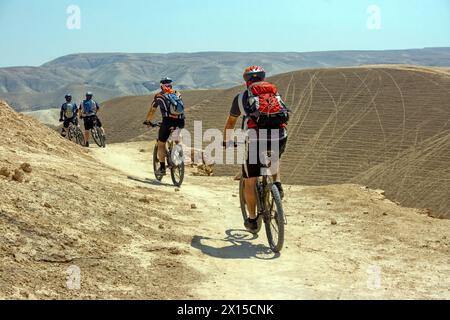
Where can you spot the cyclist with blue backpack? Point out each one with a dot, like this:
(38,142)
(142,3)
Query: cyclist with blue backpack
(68,114)
(89,109)
(171,106)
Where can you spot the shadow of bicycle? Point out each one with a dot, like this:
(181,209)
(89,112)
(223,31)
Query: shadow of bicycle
(236,245)
(152,182)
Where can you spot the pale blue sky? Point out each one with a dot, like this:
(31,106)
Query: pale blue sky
(34,32)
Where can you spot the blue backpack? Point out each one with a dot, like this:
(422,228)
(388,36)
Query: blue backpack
(89,107)
(176,104)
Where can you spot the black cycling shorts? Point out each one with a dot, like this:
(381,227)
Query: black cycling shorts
(68,121)
(252,166)
(167,126)
(89,122)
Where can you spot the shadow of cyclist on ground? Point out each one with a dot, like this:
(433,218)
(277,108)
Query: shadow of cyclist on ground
(236,245)
(152,182)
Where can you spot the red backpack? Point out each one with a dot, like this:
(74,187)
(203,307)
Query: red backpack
(265,107)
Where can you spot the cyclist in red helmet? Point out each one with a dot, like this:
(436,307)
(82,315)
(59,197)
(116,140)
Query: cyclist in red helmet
(262,108)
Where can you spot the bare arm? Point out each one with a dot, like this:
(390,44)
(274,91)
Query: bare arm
(151,112)
(230,125)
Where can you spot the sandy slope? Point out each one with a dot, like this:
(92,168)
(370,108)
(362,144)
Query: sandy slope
(373,236)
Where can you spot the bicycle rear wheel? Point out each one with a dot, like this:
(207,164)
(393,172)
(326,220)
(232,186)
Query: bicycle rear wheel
(156,165)
(274,220)
(79,136)
(244,210)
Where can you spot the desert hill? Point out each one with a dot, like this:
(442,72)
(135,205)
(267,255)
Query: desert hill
(384,126)
(121,74)
(59,207)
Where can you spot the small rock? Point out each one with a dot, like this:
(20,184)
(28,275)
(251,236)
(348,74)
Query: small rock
(175,251)
(385,214)
(234,196)
(144,200)
(193,206)
(366,212)
(47,205)
(26,167)
(142,150)
(333,222)
(18,176)
(329,203)
(5,172)
(177,189)
(161,227)
(19,257)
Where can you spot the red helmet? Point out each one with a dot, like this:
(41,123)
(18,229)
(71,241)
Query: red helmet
(254,73)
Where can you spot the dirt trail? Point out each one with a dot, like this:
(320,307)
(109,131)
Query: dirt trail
(373,248)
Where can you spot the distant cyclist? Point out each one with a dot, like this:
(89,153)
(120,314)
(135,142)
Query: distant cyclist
(89,110)
(262,108)
(68,114)
(171,106)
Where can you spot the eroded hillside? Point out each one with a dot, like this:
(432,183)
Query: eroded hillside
(64,209)
(345,123)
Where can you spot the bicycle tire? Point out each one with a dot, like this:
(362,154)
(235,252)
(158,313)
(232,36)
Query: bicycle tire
(96,136)
(69,134)
(102,139)
(275,246)
(174,169)
(79,137)
(177,181)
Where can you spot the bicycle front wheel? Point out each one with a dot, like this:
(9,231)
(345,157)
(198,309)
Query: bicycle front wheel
(177,174)
(275,221)
(80,137)
(176,162)
(70,135)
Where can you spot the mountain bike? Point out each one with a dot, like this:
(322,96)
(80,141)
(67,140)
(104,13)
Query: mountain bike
(175,160)
(269,209)
(75,134)
(98,135)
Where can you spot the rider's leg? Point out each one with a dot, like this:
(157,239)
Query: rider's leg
(163,137)
(162,152)
(86,135)
(250,196)
(277,166)
(100,125)
(65,128)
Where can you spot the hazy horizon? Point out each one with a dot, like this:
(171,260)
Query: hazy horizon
(212,51)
